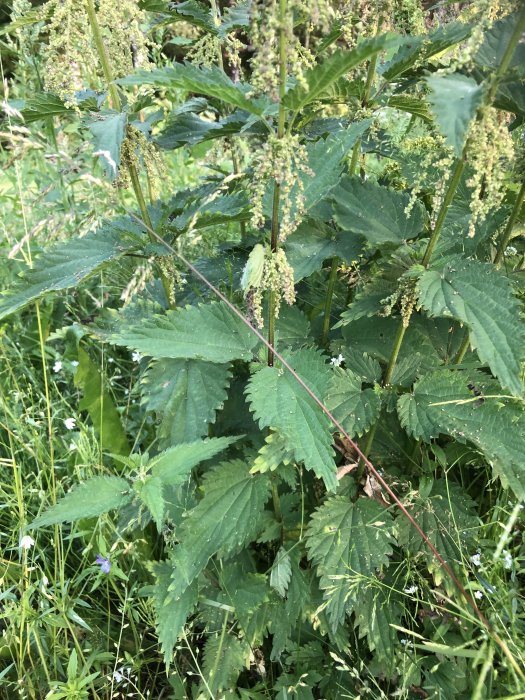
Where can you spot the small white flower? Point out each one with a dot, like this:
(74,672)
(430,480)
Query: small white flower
(476,559)
(336,361)
(511,250)
(406,642)
(507,559)
(70,423)
(410,590)
(26,542)
(478,595)
(57,366)
(73,446)
(117,676)
(136,356)
(74,363)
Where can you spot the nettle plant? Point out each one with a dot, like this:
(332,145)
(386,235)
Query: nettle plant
(330,325)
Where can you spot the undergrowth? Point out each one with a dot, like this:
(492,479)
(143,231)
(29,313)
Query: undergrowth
(262,430)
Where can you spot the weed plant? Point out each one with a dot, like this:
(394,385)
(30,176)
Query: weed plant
(262,426)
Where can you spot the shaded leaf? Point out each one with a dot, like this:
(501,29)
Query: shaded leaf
(376,212)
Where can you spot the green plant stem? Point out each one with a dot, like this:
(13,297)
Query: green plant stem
(332,279)
(507,233)
(274,243)
(447,200)
(356,150)
(117,104)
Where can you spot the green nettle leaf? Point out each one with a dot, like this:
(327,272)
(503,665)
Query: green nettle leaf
(224,520)
(354,407)
(109,131)
(369,301)
(347,542)
(412,105)
(171,614)
(272,454)
(94,497)
(313,242)
(448,517)
(173,466)
(454,100)
(363,366)
(97,401)
(223,660)
(67,264)
(44,106)
(150,492)
(442,402)
(212,82)
(185,394)
(376,212)
(324,74)
(279,401)
(209,332)
(420,49)
(378,608)
(482,298)
(281,572)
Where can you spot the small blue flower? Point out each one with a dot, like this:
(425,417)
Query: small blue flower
(104,563)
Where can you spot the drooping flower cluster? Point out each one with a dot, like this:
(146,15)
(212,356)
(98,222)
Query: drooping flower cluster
(71,56)
(135,146)
(284,161)
(277,277)
(265,27)
(491,153)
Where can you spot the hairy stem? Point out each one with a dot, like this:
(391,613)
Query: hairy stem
(274,244)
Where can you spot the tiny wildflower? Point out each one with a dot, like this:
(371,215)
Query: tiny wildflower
(117,676)
(336,361)
(410,590)
(136,356)
(74,363)
(476,559)
(26,542)
(104,563)
(478,595)
(70,423)
(507,559)
(57,366)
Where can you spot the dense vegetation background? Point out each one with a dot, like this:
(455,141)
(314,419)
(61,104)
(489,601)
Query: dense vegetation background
(262,429)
